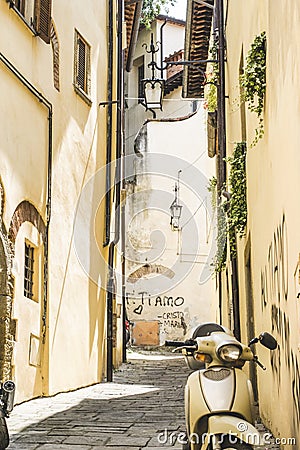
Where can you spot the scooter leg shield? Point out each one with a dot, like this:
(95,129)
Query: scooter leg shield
(238,429)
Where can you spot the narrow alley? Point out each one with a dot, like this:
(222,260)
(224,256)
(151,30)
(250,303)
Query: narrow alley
(142,408)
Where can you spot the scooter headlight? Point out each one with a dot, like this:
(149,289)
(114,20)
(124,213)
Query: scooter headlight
(229,352)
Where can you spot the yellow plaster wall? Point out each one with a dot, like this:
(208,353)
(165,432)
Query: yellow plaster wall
(272,191)
(74,350)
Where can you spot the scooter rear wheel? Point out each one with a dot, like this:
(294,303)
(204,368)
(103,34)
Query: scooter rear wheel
(4,438)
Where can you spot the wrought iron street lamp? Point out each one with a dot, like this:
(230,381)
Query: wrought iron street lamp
(175,210)
(153,87)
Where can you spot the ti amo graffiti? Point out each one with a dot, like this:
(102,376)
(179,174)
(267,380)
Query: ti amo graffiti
(274,300)
(145,299)
(274,276)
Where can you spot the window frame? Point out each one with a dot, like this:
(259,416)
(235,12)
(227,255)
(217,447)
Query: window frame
(83,91)
(29,270)
(38,16)
(141,77)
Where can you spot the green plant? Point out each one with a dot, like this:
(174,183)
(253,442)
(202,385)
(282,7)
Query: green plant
(221,251)
(212,189)
(212,76)
(238,188)
(219,209)
(253,81)
(152,8)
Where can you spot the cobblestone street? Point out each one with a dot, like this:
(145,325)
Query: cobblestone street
(133,413)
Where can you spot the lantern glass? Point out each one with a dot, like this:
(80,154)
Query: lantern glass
(153,90)
(176,211)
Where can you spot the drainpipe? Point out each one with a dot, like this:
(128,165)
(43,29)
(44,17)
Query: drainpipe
(221,97)
(162,48)
(109,122)
(222,163)
(119,140)
(42,99)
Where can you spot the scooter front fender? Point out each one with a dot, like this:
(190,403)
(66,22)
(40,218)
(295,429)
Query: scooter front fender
(239,429)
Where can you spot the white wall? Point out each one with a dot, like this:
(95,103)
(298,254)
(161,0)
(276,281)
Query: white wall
(187,298)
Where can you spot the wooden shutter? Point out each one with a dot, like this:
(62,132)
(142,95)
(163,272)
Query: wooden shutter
(81,65)
(43,19)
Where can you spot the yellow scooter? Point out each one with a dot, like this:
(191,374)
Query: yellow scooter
(218,394)
(7,393)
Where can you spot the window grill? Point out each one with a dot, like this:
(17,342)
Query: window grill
(81,74)
(141,76)
(28,270)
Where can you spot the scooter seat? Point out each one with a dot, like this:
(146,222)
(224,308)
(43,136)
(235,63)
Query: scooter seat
(205,329)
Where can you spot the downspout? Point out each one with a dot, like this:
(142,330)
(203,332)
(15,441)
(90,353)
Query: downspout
(221,164)
(162,48)
(111,255)
(109,122)
(42,99)
(221,98)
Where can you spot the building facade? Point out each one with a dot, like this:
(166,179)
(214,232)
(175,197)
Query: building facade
(169,283)
(261,39)
(58,83)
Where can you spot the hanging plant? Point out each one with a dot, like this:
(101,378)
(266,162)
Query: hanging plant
(253,81)
(212,76)
(238,188)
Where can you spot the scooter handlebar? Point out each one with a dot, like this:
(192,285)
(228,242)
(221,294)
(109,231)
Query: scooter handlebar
(174,343)
(188,343)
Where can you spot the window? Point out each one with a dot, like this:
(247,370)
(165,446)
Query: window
(20,5)
(82,67)
(36,14)
(28,270)
(141,76)
(42,20)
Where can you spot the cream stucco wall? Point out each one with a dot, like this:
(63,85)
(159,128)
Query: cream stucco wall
(73,354)
(272,188)
(185,295)
(174,104)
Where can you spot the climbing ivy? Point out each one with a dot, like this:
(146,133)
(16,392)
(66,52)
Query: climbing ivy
(152,8)
(232,214)
(253,81)
(219,209)
(238,189)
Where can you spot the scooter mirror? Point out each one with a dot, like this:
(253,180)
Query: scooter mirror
(268,340)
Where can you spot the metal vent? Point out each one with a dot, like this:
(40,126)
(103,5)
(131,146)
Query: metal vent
(217,375)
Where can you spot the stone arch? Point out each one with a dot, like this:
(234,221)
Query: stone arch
(25,212)
(148,269)
(6,295)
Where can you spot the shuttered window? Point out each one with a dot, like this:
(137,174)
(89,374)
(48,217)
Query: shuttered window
(20,5)
(28,270)
(43,19)
(82,51)
(81,74)
(36,14)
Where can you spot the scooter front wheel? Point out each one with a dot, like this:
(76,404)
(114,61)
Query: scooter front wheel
(4,438)
(227,443)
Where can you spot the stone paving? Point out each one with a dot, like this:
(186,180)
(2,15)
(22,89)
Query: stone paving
(142,409)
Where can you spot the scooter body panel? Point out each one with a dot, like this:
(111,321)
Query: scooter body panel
(214,392)
(224,425)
